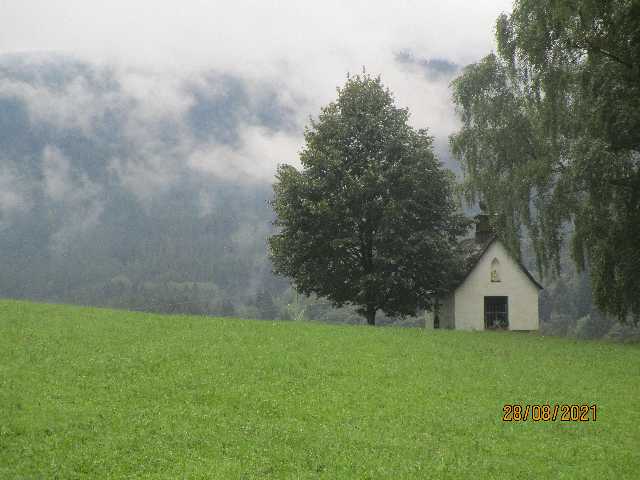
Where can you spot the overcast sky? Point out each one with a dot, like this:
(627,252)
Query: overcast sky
(307,47)
(252,35)
(175,32)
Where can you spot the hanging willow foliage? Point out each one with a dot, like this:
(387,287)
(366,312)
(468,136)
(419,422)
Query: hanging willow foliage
(550,138)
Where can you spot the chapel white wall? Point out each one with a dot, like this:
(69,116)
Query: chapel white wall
(468,300)
(447,311)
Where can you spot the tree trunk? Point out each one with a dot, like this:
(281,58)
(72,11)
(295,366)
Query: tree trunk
(371,315)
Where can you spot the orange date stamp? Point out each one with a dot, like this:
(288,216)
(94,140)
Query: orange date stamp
(513,412)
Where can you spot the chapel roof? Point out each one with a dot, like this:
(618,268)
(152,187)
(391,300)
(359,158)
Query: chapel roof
(473,250)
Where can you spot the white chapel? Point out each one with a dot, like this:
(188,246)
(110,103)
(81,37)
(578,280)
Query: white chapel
(497,291)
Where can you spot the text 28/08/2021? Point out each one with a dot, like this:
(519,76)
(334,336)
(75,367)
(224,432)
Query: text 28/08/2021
(513,412)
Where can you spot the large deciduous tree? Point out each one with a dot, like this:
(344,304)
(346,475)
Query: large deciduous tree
(370,220)
(551,137)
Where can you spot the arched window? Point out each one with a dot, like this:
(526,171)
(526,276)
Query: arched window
(495,270)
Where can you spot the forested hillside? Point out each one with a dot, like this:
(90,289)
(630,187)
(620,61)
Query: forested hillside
(101,203)
(109,198)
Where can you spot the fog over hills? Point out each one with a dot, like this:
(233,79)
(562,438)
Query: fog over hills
(146,189)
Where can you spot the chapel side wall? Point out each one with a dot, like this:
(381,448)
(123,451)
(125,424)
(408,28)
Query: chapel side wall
(428,320)
(514,283)
(447,312)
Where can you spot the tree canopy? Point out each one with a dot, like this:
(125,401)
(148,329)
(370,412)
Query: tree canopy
(550,137)
(370,220)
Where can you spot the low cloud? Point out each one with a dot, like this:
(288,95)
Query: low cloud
(75,105)
(254,160)
(149,131)
(13,195)
(302,49)
(432,69)
(57,176)
(71,190)
(147,176)
(62,184)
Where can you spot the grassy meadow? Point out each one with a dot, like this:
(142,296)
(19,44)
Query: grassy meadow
(95,393)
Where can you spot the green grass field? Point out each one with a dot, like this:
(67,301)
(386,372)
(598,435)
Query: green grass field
(92,393)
